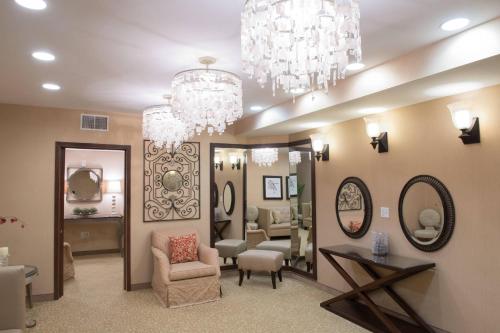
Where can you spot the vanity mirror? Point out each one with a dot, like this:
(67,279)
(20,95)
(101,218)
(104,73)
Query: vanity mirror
(426,213)
(84,185)
(228,198)
(354,207)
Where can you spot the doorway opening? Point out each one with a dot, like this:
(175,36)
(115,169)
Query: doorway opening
(91,215)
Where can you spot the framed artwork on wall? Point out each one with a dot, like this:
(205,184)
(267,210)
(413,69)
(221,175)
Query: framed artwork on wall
(292,188)
(171,182)
(273,188)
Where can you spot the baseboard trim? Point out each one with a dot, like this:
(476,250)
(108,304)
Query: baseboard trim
(140,286)
(43,297)
(94,252)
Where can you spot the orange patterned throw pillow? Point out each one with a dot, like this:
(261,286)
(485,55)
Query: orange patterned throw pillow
(183,248)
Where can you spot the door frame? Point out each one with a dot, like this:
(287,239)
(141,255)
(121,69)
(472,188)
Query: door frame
(248,147)
(60,159)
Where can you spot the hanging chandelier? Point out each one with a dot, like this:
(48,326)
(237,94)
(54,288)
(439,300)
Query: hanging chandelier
(301,45)
(294,157)
(207,98)
(160,125)
(265,156)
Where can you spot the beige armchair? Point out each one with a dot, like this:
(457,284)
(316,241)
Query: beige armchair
(255,237)
(184,283)
(68,268)
(307,214)
(13,299)
(266,220)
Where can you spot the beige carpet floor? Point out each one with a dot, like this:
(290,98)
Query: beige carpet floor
(95,302)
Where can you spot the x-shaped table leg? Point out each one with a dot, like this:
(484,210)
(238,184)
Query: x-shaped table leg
(379,282)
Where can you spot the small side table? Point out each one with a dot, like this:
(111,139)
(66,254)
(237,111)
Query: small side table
(30,272)
(368,314)
(223,224)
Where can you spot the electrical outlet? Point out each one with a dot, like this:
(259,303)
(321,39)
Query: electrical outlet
(384,212)
(85,235)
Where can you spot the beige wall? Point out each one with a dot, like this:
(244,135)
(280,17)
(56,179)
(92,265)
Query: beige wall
(27,146)
(235,229)
(255,173)
(463,293)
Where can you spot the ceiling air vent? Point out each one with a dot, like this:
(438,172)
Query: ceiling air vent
(90,122)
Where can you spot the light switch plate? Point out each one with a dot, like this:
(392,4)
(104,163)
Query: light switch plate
(384,212)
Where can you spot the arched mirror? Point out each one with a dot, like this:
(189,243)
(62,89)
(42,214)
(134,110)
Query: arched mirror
(354,207)
(426,213)
(84,185)
(229,198)
(215,195)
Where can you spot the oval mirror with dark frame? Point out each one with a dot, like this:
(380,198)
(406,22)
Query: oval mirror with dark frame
(353,206)
(215,194)
(426,213)
(229,198)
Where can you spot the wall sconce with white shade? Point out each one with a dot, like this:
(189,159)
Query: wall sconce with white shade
(379,138)
(464,121)
(114,187)
(235,161)
(218,163)
(321,149)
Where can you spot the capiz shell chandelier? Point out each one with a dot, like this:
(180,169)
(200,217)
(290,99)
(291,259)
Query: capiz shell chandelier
(207,98)
(301,45)
(160,125)
(265,156)
(294,157)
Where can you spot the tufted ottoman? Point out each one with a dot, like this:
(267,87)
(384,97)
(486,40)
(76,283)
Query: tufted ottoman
(260,261)
(230,248)
(284,246)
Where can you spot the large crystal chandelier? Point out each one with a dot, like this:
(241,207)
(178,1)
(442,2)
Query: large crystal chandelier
(207,98)
(294,157)
(301,45)
(265,156)
(163,127)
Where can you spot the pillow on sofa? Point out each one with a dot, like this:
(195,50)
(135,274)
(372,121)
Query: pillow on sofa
(183,248)
(276,216)
(295,212)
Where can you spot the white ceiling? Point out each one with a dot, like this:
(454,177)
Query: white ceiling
(120,55)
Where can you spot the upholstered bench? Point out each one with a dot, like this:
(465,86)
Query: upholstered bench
(230,248)
(284,246)
(260,261)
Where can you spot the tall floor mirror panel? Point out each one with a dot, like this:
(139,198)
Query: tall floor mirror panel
(263,197)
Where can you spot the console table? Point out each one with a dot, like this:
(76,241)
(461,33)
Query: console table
(98,219)
(223,224)
(368,314)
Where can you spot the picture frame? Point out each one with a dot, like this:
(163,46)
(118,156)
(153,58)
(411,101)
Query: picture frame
(272,187)
(292,187)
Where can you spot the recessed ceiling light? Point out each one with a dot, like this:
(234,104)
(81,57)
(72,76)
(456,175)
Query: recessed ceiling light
(51,86)
(355,66)
(455,24)
(256,108)
(372,110)
(43,56)
(32,4)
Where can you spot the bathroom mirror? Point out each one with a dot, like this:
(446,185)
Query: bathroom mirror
(84,185)
(354,207)
(172,180)
(426,213)
(228,198)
